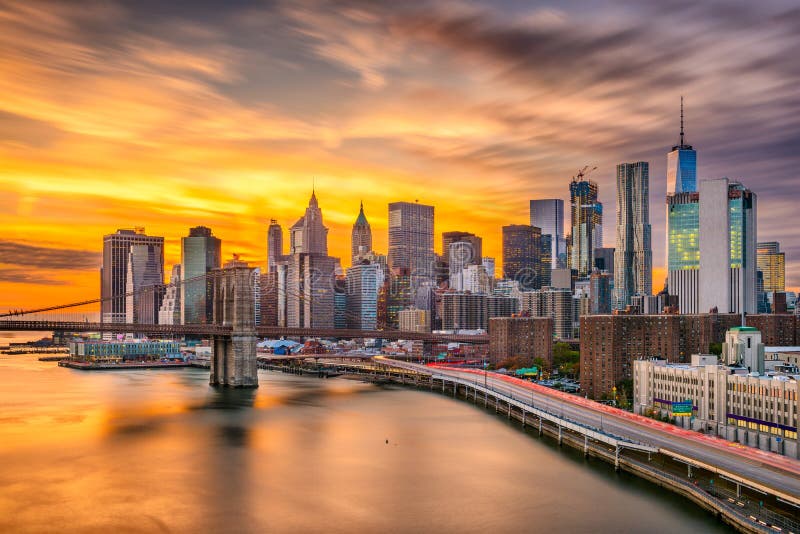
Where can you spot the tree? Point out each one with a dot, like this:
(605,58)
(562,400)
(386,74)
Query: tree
(715,348)
(624,392)
(566,360)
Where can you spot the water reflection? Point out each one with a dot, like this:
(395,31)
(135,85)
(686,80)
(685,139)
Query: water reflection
(163,451)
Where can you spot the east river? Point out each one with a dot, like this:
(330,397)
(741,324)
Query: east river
(161,451)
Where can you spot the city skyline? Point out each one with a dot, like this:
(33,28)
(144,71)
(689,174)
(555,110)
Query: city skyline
(198,141)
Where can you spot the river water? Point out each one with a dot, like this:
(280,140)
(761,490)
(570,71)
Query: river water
(160,451)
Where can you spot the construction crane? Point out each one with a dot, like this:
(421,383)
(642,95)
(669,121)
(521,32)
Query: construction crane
(583,173)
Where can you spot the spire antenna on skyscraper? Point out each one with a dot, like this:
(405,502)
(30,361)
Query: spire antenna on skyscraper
(682,143)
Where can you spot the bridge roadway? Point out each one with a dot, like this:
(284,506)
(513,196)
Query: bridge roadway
(261,331)
(760,470)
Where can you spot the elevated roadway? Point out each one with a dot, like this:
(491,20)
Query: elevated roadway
(760,470)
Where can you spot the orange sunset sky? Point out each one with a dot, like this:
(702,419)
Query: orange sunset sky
(123,114)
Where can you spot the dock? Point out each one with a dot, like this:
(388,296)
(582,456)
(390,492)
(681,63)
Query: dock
(93,366)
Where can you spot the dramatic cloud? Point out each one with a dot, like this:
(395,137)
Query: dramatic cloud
(47,258)
(168,115)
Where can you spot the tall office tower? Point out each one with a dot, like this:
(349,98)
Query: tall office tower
(682,166)
(360,238)
(633,259)
(114,273)
(587,224)
(364,281)
(683,225)
(475,242)
(460,254)
(772,263)
(306,284)
(309,235)
(727,247)
(411,240)
(600,292)
(521,255)
(399,296)
(683,250)
(548,214)
(200,253)
(604,259)
(144,285)
(170,310)
(274,245)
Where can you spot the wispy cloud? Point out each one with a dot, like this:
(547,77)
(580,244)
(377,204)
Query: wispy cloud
(124,113)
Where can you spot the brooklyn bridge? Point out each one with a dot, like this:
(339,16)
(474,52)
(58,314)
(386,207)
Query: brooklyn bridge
(233,329)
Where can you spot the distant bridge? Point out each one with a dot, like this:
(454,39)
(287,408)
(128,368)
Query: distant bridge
(224,330)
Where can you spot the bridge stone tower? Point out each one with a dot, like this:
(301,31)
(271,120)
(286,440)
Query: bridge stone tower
(234,361)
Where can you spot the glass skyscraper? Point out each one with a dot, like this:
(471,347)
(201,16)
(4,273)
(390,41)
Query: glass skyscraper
(683,249)
(633,256)
(727,247)
(683,224)
(200,253)
(114,273)
(682,165)
(772,263)
(587,225)
(522,255)
(548,214)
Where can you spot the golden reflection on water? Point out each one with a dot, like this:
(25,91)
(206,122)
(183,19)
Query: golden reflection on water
(161,451)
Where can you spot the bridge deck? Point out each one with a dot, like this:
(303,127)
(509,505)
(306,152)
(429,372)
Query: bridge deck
(261,331)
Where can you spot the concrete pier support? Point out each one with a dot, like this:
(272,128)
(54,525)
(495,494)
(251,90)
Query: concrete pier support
(233,363)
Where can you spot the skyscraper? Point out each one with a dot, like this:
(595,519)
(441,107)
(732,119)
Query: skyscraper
(587,224)
(460,255)
(306,277)
(309,235)
(683,249)
(600,292)
(274,245)
(144,285)
(633,259)
(306,287)
(360,238)
(170,311)
(772,263)
(114,273)
(548,214)
(682,166)
(411,240)
(727,247)
(604,259)
(476,245)
(364,281)
(683,224)
(200,253)
(521,255)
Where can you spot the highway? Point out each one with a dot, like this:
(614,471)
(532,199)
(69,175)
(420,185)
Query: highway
(780,473)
